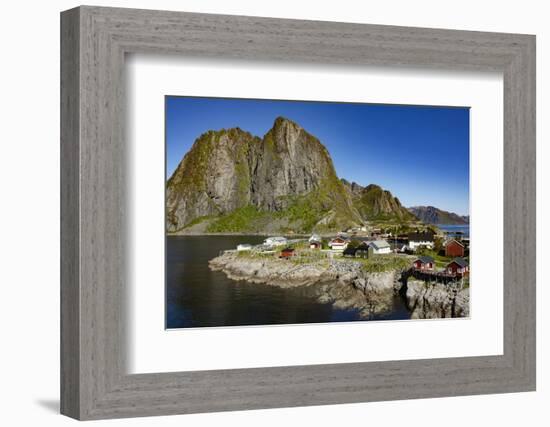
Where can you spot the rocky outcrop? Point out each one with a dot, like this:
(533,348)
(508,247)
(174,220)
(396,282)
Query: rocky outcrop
(347,285)
(344,283)
(288,162)
(433,215)
(287,170)
(213,177)
(435,300)
(271,271)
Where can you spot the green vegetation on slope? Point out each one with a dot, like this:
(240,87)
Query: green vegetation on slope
(239,220)
(377,204)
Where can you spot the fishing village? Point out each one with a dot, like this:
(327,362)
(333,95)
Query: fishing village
(427,255)
(427,270)
(268,232)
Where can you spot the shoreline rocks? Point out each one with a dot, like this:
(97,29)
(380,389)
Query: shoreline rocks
(437,301)
(346,285)
(343,283)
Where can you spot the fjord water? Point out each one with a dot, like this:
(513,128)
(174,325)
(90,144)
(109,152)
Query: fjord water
(199,297)
(453,229)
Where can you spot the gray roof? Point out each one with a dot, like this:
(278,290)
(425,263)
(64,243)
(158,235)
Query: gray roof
(425,259)
(380,244)
(460,261)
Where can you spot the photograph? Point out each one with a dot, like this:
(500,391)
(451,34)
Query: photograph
(293,212)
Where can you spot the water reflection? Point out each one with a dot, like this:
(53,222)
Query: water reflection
(198,297)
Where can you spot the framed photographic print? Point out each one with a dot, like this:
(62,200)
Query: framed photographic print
(295,240)
(261,213)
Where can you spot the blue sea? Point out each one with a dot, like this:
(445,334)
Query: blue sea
(453,229)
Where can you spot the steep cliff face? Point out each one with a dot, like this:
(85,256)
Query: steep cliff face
(289,162)
(433,215)
(374,203)
(244,183)
(214,177)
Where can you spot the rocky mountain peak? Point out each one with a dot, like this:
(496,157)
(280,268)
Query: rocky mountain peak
(285,182)
(230,169)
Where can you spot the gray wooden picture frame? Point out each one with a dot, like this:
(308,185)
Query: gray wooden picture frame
(94,382)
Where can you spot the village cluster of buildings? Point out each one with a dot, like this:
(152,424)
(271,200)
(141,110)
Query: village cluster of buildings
(455,249)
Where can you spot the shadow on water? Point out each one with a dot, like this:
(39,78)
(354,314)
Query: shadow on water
(199,297)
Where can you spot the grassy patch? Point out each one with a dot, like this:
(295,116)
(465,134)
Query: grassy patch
(303,212)
(237,221)
(196,221)
(381,263)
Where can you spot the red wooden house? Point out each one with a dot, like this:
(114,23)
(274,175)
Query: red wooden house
(287,253)
(424,263)
(458,267)
(453,248)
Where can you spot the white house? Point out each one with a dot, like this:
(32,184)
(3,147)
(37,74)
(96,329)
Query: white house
(380,247)
(421,239)
(244,247)
(315,238)
(338,244)
(275,241)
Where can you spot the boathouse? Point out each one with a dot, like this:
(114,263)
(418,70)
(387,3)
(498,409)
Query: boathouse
(454,248)
(424,263)
(287,253)
(459,267)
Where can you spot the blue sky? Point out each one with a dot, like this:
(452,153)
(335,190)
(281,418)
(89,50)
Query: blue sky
(419,153)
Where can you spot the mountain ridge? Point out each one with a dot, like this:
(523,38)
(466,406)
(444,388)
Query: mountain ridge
(238,177)
(433,215)
(285,181)
(375,203)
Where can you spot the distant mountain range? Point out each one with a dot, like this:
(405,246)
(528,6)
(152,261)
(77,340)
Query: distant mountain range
(433,215)
(232,181)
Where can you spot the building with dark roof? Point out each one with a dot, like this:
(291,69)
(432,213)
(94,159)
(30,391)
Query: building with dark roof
(458,266)
(424,263)
(421,239)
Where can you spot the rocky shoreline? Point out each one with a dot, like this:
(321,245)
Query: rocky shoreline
(346,284)
(436,300)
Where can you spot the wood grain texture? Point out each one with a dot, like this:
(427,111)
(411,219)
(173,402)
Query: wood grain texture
(94,232)
(70,260)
